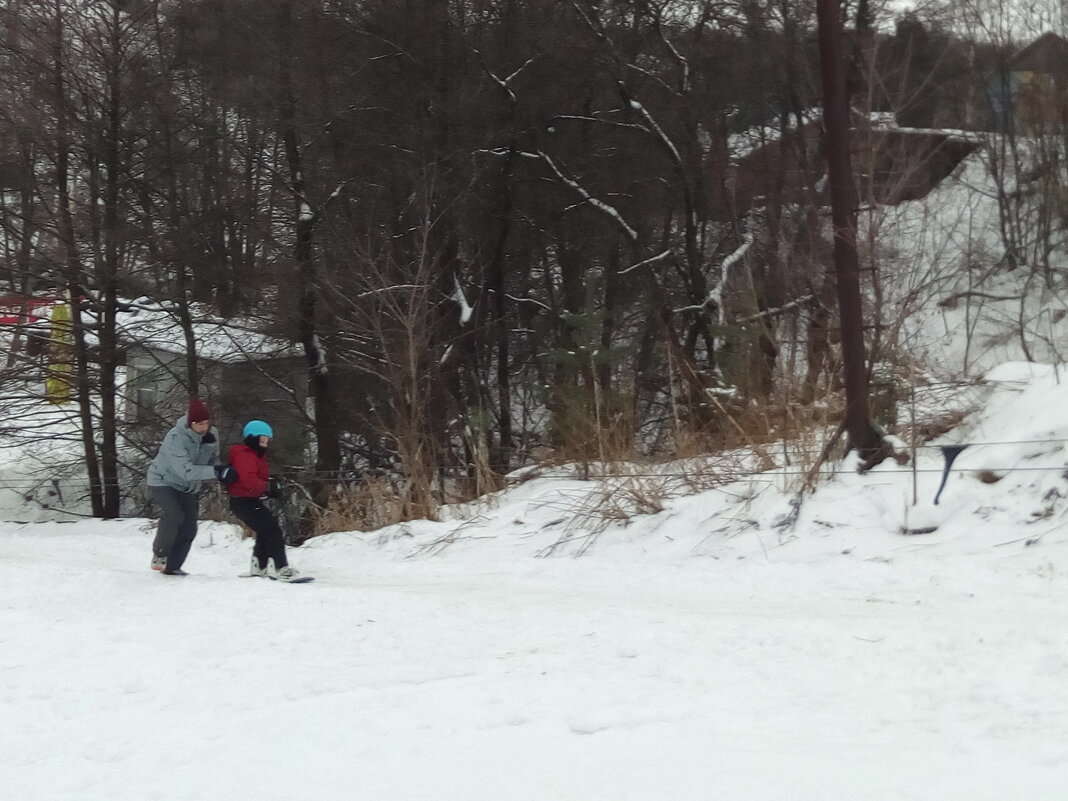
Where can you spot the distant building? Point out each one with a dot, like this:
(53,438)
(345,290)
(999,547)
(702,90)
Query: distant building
(1031,94)
(243,373)
(893,164)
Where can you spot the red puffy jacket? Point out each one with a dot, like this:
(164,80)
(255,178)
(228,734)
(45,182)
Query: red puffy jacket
(252,472)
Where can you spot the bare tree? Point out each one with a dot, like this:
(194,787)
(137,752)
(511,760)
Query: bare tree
(862,435)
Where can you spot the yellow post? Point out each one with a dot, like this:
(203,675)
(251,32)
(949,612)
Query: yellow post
(60,350)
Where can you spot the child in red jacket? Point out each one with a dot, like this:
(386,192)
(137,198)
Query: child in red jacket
(247,496)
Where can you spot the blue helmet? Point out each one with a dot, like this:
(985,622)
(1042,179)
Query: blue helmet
(257,428)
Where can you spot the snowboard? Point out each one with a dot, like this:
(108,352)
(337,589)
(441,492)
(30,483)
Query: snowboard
(299,580)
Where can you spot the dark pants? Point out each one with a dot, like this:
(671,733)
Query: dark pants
(177,524)
(270,542)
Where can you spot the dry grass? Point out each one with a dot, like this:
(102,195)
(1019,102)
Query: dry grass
(778,433)
(622,491)
(927,430)
(372,504)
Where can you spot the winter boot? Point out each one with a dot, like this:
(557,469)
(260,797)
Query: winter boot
(176,572)
(285,574)
(159,562)
(254,569)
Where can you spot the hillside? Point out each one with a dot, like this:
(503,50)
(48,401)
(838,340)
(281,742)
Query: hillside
(704,651)
(687,630)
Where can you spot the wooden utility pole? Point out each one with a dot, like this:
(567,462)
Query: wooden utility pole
(861,434)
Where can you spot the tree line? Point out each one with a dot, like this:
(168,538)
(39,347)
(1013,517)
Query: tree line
(494,226)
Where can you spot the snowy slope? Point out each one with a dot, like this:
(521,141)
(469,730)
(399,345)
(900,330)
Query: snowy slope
(732,646)
(947,303)
(1010,481)
(702,652)
(463,678)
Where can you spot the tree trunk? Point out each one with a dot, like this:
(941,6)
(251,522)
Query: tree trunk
(178,254)
(328,449)
(109,278)
(500,306)
(73,269)
(27,278)
(861,435)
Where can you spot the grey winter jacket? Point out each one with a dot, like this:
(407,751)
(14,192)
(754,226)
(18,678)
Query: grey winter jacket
(184,460)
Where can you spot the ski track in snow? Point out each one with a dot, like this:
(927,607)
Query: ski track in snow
(597,678)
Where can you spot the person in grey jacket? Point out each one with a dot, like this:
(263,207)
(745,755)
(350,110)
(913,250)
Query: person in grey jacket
(187,457)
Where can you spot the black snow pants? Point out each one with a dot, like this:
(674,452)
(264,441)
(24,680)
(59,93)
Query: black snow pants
(270,542)
(177,524)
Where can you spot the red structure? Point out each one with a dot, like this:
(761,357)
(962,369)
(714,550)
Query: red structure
(15,309)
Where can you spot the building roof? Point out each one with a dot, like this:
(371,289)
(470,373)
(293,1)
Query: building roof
(1047,54)
(742,144)
(155,325)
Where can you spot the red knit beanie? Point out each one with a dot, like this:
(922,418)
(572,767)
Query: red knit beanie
(198,412)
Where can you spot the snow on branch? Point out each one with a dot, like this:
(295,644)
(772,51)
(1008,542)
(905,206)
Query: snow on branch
(444,360)
(465,308)
(601,120)
(716,295)
(503,151)
(793,304)
(683,63)
(652,260)
(523,66)
(652,76)
(309,215)
(514,299)
(384,289)
(337,192)
(596,27)
(676,157)
(316,353)
(505,83)
(586,196)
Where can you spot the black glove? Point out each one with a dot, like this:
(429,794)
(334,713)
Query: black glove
(225,473)
(274,488)
(208,438)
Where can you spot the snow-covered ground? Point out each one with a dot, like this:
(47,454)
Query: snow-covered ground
(707,651)
(805,673)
